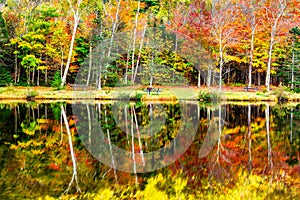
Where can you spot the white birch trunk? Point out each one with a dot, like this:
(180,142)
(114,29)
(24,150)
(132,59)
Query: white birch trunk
(76,14)
(74,176)
(134,39)
(140,53)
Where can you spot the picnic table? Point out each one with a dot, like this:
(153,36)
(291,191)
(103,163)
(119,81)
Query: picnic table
(247,88)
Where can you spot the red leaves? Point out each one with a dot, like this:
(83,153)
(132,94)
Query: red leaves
(54,166)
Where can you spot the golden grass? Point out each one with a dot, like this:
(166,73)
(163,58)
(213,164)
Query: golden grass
(13,93)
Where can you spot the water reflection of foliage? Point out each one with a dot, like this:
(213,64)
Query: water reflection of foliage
(162,133)
(39,164)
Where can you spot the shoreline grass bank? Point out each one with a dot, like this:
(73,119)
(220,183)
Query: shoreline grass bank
(167,94)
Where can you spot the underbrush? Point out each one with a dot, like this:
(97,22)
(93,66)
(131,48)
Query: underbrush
(245,186)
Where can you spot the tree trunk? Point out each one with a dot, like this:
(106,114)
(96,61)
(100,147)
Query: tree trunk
(76,22)
(293,66)
(33,76)
(62,63)
(28,76)
(133,44)
(38,78)
(221,61)
(140,53)
(278,15)
(64,78)
(268,74)
(98,81)
(112,35)
(151,72)
(228,75)
(199,78)
(16,69)
(90,62)
(127,64)
(209,75)
(251,56)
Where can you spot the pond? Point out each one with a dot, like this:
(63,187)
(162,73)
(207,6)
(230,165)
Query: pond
(134,150)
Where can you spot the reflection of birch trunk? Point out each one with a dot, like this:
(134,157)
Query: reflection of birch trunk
(218,155)
(126,122)
(90,126)
(28,114)
(16,119)
(33,114)
(132,146)
(46,110)
(219,133)
(110,146)
(291,125)
(99,118)
(198,109)
(208,114)
(61,129)
(249,138)
(139,137)
(267,113)
(151,133)
(74,176)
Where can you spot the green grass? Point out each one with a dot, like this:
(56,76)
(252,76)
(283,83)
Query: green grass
(170,93)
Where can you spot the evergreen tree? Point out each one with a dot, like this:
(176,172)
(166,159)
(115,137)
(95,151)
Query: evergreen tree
(5,76)
(290,72)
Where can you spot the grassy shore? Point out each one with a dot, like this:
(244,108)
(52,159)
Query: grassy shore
(167,94)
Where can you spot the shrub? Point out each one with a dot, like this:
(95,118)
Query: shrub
(208,96)
(56,80)
(281,94)
(138,96)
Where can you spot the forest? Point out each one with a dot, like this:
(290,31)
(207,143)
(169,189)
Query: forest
(112,139)
(46,42)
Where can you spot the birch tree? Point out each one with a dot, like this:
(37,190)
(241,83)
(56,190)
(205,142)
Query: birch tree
(222,16)
(76,10)
(251,10)
(275,10)
(134,39)
(115,21)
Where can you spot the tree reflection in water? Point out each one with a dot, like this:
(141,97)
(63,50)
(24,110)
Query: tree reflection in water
(38,160)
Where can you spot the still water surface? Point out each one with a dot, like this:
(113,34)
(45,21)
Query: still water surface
(51,149)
